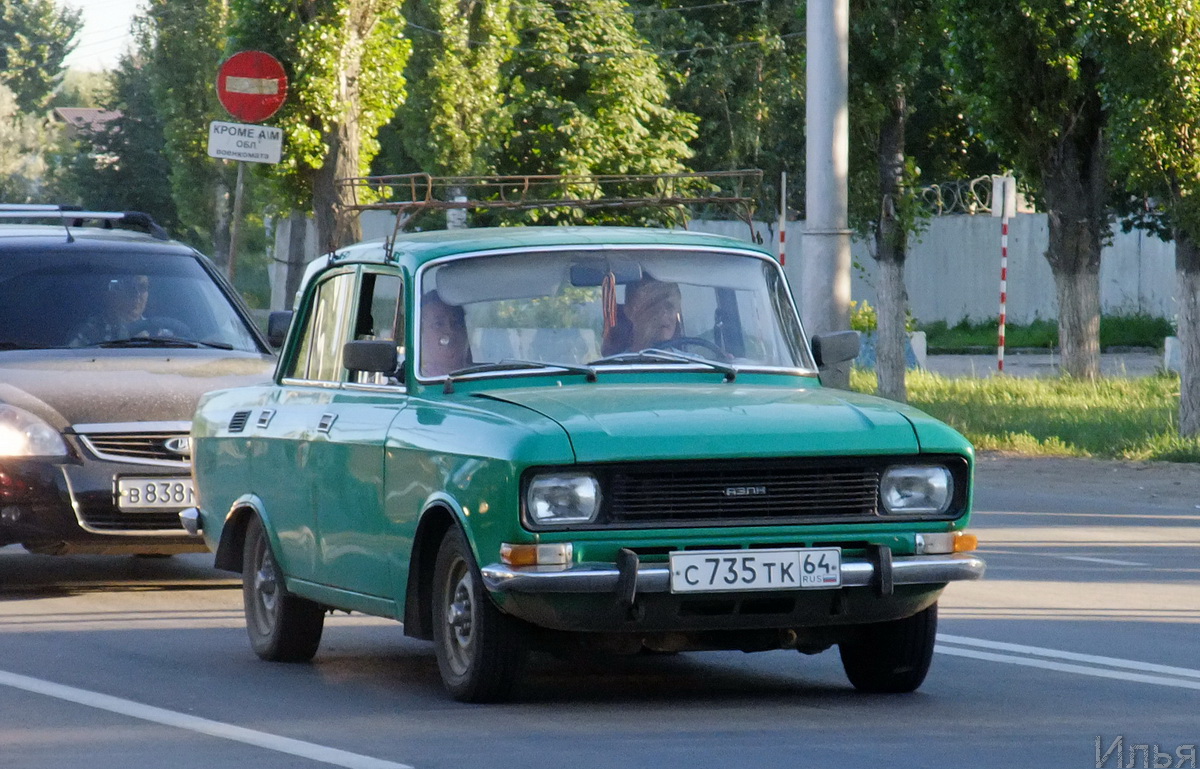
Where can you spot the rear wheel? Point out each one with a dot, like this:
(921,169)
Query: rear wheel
(282,627)
(479,649)
(891,657)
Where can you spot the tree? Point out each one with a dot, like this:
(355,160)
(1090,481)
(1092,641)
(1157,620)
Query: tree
(35,37)
(21,163)
(455,107)
(345,61)
(1152,89)
(1030,74)
(739,68)
(123,165)
(586,97)
(182,42)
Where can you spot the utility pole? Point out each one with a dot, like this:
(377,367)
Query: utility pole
(825,294)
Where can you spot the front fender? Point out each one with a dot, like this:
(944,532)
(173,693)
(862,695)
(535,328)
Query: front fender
(233,532)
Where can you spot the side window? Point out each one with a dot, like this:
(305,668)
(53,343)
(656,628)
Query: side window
(380,315)
(326,329)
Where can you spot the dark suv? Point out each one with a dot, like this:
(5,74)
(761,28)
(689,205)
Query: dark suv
(108,337)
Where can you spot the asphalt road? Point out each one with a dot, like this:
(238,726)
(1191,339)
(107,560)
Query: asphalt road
(1085,628)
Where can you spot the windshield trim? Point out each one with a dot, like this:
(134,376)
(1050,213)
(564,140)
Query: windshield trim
(419,277)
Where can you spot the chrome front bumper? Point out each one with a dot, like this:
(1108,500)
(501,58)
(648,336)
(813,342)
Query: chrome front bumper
(881,572)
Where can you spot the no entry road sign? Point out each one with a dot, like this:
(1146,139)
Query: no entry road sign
(251,85)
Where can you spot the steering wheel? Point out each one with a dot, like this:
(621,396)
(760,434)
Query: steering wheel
(163,326)
(681,342)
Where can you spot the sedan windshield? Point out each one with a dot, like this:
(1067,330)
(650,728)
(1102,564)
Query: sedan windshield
(105,300)
(660,308)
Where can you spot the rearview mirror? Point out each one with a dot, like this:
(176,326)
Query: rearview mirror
(277,327)
(838,347)
(374,356)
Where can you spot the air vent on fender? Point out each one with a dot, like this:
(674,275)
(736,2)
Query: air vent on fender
(238,423)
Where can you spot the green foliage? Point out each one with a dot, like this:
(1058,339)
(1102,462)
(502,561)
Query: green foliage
(1152,89)
(22,138)
(123,166)
(81,88)
(35,37)
(864,318)
(1112,417)
(1115,331)
(586,97)
(455,111)
(345,61)
(182,44)
(739,68)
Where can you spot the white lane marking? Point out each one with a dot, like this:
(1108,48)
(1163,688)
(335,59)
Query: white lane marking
(223,731)
(1111,561)
(1067,668)
(1092,659)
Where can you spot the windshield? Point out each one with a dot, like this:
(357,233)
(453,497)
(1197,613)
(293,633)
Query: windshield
(56,300)
(611,307)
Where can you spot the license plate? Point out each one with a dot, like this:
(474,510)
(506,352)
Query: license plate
(153,494)
(716,571)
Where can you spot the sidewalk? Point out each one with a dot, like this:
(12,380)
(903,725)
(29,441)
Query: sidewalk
(1131,364)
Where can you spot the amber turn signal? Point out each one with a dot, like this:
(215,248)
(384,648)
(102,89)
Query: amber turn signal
(964,542)
(558,554)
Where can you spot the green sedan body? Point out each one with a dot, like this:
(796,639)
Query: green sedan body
(706,492)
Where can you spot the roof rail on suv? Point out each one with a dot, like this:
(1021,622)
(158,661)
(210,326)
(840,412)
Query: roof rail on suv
(72,216)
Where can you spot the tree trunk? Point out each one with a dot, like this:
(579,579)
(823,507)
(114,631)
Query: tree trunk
(891,246)
(1075,184)
(336,227)
(1187,270)
(221,223)
(297,235)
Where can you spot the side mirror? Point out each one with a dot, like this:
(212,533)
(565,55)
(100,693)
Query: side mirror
(374,356)
(838,347)
(277,327)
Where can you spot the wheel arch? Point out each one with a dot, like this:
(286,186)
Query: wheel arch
(439,515)
(233,532)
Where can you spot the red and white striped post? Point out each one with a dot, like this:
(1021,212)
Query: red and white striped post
(783,217)
(1004,205)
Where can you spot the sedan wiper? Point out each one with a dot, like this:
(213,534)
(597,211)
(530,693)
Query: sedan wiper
(146,341)
(655,355)
(513,364)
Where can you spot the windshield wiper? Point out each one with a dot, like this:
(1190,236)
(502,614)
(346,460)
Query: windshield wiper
(146,341)
(513,364)
(161,341)
(18,346)
(656,355)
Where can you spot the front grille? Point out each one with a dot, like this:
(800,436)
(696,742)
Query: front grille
(143,448)
(742,492)
(115,520)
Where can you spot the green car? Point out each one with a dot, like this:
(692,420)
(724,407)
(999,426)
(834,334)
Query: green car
(573,439)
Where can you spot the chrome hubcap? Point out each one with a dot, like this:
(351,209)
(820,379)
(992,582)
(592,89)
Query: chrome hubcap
(460,617)
(266,586)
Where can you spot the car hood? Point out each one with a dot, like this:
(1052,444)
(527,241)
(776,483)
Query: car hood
(645,422)
(85,386)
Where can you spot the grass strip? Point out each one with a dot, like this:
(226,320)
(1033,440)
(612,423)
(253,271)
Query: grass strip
(1110,418)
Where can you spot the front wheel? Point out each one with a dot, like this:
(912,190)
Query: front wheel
(479,650)
(282,627)
(891,657)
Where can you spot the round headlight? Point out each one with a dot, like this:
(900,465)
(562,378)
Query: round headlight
(24,435)
(563,498)
(916,490)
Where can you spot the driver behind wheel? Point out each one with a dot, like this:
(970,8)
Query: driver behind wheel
(122,313)
(651,310)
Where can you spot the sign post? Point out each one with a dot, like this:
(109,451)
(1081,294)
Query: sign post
(1004,205)
(251,86)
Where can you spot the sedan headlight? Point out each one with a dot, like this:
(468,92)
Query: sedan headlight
(916,490)
(24,435)
(563,498)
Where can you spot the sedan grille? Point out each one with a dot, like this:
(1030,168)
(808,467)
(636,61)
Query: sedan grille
(743,492)
(140,448)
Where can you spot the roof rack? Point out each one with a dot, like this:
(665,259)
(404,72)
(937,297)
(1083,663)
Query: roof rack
(408,194)
(73,216)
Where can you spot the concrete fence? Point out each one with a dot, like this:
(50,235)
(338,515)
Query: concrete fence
(952,271)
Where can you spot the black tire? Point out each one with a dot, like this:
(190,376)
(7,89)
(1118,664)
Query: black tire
(479,650)
(282,627)
(891,657)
